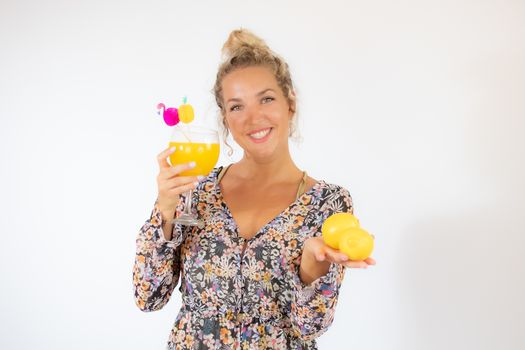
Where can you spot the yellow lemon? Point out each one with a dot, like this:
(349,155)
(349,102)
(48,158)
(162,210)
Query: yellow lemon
(356,243)
(336,225)
(186,113)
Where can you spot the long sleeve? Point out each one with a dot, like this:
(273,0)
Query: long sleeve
(157,263)
(313,305)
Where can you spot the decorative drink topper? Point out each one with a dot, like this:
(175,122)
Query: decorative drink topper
(172,116)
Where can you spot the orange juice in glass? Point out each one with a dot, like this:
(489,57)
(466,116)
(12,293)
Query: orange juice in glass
(199,145)
(205,156)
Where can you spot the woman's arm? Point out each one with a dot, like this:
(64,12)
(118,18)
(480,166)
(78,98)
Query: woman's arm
(313,305)
(157,262)
(319,275)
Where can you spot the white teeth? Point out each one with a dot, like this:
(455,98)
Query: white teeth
(260,134)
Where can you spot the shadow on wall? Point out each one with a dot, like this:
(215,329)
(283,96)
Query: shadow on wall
(461,280)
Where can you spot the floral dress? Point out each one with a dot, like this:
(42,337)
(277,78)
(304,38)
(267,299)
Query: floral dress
(239,293)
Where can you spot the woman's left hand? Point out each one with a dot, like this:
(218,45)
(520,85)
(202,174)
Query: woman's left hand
(317,248)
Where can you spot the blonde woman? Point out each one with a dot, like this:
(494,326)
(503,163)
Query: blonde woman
(258,274)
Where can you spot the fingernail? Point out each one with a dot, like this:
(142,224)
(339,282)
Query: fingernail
(200,178)
(172,149)
(192,164)
(344,258)
(196,183)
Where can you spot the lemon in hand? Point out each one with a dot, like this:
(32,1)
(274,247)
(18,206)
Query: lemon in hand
(335,226)
(356,243)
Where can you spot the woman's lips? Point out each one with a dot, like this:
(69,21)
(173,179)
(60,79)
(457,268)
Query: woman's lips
(261,135)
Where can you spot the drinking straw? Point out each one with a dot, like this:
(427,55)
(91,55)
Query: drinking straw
(183,133)
(184,100)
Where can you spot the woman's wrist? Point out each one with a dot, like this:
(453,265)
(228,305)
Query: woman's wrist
(167,226)
(166,214)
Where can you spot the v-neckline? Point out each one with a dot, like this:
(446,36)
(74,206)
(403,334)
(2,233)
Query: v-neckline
(262,228)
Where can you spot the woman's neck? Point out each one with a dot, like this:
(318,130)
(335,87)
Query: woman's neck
(279,169)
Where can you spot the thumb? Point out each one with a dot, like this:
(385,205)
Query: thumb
(321,255)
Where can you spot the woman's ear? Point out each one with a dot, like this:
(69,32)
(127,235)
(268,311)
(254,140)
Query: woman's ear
(225,123)
(292,104)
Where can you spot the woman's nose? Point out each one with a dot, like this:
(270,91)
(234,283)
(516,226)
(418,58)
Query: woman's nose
(254,113)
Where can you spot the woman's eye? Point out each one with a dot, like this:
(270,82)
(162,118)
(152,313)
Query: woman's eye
(267,99)
(235,108)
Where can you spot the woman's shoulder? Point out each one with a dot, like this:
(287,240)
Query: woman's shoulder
(332,190)
(213,178)
(214,174)
(334,197)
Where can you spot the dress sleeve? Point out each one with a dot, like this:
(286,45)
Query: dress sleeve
(313,305)
(157,262)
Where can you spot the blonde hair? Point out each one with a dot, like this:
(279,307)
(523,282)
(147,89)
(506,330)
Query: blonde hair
(245,49)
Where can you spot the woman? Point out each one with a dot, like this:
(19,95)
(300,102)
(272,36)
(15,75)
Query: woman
(258,275)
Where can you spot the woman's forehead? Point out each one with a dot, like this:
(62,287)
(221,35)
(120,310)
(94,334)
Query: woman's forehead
(249,81)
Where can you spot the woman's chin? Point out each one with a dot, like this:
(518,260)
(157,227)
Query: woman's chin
(264,152)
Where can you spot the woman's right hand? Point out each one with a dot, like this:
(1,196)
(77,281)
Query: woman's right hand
(170,184)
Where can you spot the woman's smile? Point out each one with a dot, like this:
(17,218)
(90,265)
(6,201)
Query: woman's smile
(260,135)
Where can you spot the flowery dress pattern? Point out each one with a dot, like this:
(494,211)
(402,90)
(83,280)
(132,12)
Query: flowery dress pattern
(238,293)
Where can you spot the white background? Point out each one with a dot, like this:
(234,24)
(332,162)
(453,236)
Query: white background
(417,107)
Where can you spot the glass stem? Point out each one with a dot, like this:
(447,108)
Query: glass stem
(187,203)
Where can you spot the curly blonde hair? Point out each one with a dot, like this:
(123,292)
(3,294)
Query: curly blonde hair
(245,49)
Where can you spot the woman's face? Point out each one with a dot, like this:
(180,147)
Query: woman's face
(257,113)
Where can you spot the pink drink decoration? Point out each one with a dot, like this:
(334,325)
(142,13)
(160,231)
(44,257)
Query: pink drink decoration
(170,115)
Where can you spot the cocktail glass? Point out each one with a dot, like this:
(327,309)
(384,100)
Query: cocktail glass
(199,145)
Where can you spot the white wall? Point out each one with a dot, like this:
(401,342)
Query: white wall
(417,107)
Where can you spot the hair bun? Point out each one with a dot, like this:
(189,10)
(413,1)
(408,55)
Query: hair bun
(240,40)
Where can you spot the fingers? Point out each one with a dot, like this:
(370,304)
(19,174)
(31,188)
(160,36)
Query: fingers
(336,256)
(323,252)
(182,181)
(170,183)
(363,264)
(357,264)
(175,171)
(370,261)
(178,184)
(162,157)
(180,168)
(320,255)
(178,190)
